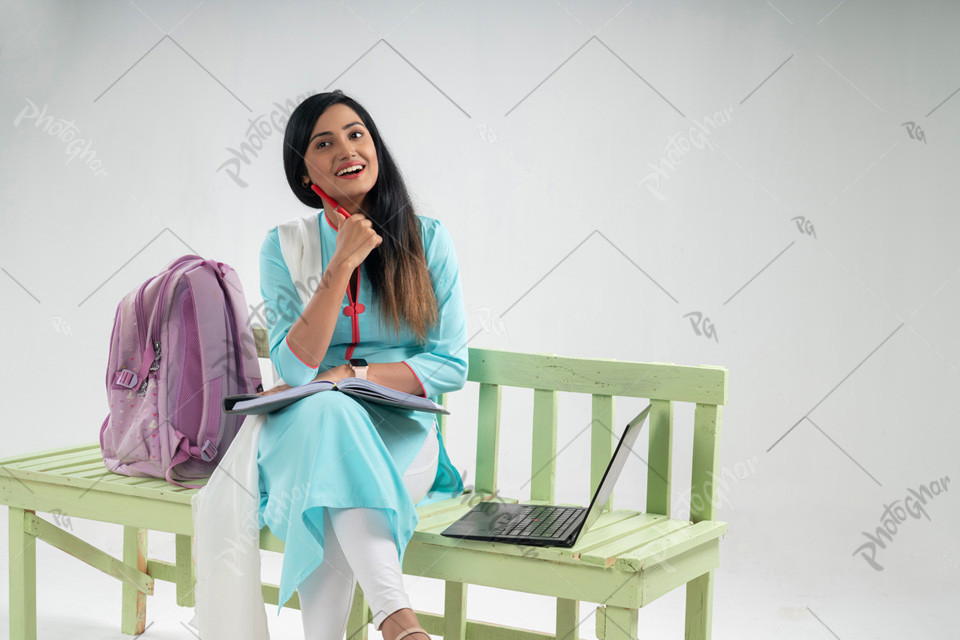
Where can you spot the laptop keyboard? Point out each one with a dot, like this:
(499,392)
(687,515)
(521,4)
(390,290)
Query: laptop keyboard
(538,522)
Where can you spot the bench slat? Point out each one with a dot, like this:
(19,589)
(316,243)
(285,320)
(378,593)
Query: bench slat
(660,456)
(601,441)
(200,481)
(703,487)
(262,341)
(441,520)
(27,457)
(87,462)
(609,534)
(80,467)
(671,545)
(51,463)
(133,481)
(107,476)
(607,554)
(448,504)
(98,472)
(543,467)
(610,518)
(154,489)
(442,418)
(488,438)
(663,380)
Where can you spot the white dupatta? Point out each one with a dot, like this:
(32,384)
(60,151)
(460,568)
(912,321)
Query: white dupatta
(226,542)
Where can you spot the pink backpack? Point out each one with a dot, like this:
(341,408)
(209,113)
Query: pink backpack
(181,342)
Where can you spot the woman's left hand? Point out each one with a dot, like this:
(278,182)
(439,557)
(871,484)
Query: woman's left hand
(336,374)
(279,387)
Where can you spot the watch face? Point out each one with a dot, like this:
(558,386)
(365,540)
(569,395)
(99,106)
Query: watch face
(358,362)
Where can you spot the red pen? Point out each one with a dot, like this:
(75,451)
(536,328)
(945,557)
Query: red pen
(333,203)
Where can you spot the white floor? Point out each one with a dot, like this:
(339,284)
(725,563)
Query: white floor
(78,601)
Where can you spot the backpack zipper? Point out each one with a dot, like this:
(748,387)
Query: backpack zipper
(155,332)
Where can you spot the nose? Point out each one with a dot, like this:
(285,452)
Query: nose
(347,150)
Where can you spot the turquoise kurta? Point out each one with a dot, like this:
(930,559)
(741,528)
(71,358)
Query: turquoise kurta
(329,450)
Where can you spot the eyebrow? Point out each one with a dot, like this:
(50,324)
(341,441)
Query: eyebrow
(327,133)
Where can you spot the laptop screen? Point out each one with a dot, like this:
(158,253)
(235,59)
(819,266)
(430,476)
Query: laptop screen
(620,454)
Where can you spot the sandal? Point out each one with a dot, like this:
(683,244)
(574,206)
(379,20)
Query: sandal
(407,632)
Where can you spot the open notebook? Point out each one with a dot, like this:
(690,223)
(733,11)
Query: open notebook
(253,403)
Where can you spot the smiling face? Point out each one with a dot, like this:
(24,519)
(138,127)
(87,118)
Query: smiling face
(339,141)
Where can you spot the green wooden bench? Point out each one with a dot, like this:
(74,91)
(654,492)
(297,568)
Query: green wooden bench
(625,561)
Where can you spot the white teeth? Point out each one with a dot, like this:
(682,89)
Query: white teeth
(354,169)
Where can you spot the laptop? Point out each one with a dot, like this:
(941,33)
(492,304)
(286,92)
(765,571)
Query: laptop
(545,525)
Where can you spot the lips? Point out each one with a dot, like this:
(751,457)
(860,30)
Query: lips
(353,176)
(349,165)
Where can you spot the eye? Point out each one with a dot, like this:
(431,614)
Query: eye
(357,131)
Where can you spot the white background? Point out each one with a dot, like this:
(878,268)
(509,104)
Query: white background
(812,232)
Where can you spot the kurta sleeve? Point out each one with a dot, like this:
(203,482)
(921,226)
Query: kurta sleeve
(442,366)
(282,307)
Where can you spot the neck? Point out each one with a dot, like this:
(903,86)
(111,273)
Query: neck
(337,218)
(333,216)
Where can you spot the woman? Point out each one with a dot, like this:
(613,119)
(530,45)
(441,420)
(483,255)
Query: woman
(340,478)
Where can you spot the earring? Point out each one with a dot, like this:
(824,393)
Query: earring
(306,185)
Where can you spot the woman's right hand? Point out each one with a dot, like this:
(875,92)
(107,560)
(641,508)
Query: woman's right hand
(356,238)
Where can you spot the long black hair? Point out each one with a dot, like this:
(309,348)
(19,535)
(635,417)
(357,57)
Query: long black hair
(397,268)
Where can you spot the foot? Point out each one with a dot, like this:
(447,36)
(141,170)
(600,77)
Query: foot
(403,625)
(414,633)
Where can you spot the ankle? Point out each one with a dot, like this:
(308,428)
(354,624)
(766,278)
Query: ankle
(400,621)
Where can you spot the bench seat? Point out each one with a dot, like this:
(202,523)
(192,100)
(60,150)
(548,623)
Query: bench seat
(74,482)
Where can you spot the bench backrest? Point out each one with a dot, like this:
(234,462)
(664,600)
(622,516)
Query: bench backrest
(662,383)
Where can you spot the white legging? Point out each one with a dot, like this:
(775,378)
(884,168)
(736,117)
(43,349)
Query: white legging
(358,545)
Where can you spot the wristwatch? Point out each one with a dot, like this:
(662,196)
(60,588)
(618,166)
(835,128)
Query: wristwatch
(359,367)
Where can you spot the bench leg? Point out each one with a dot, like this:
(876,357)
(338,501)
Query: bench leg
(23,577)
(620,623)
(568,619)
(455,611)
(699,607)
(360,616)
(186,571)
(134,615)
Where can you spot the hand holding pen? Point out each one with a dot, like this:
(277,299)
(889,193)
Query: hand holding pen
(356,237)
